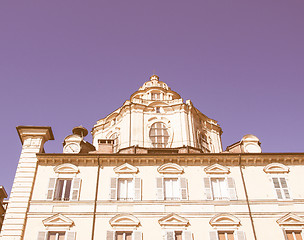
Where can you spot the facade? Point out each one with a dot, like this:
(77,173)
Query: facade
(155,170)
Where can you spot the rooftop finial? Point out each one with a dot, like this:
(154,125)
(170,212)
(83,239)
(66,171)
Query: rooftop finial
(154,77)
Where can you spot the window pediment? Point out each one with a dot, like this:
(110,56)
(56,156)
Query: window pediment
(170,168)
(126,168)
(290,219)
(276,168)
(58,220)
(224,220)
(66,168)
(217,169)
(173,220)
(126,220)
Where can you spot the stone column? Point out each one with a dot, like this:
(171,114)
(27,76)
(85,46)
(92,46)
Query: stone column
(32,139)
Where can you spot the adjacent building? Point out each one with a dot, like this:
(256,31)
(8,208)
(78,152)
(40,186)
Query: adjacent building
(154,170)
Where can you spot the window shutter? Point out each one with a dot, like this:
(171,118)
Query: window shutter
(75,189)
(239,235)
(277,188)
(51,189)
(113,189)
(160,188)
(183,189)
(137,235)
(70,235)
(137,189)
(207,187)
(170,235)
(231,189)
(187,235)
(42,235)
(213,235)
(110,235)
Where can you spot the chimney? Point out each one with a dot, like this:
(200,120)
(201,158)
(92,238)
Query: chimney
(105,145)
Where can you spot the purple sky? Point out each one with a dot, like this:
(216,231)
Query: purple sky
(64,63)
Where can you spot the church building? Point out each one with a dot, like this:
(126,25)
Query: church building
(155,170)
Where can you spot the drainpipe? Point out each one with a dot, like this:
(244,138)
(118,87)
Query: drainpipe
(95,201)
(247,199)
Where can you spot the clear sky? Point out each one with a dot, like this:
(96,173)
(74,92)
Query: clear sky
(69,62)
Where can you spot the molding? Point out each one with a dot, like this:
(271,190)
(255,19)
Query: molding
(290,219)
(170,168)
(217,169)
(224,219)
(276,168)
(66,168)
(173,220)
(126,168)
(57,220)
(126,220)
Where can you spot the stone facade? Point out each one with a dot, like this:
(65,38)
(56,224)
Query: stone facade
(155,170)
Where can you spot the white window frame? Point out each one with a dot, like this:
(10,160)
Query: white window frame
(230,191)
(63,189)
(221,190)
(45,235)
(178,191)
(232,230)
(125,179)
(137,193)
(278,176)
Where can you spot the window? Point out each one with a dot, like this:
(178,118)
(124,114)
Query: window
(171,189)
(159,135)
(63,190)
(125,189)
(56,236)
(114,137)
(155,96)
(293,235)
(227,235)
(123,236)
(281,188)
(178,235)
(220,188)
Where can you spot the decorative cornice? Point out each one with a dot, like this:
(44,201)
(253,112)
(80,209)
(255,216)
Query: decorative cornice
(227,159)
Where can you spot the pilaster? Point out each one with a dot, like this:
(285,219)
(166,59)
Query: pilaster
(32,139)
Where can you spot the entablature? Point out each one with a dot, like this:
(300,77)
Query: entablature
(226,159)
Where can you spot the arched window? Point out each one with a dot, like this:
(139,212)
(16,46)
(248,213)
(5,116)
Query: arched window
(114,137)
(159,135)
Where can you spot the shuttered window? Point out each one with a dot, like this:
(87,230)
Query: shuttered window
(178,235)
(227,235)
(126,189)
(281,188)
(62,189)
(52,235)
(172,188)
(220,188)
